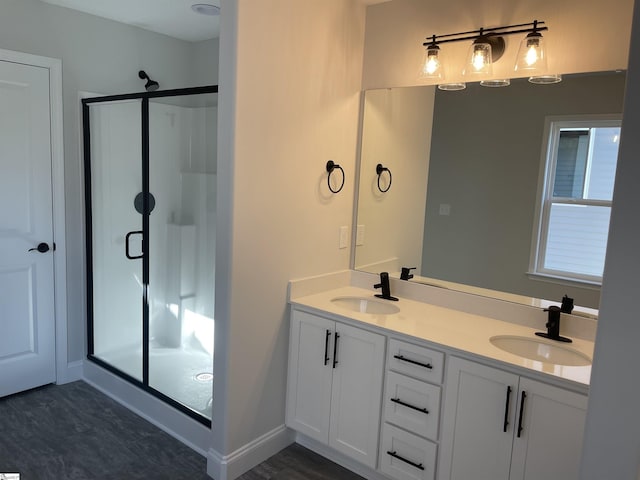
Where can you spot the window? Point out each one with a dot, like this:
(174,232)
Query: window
(576,193)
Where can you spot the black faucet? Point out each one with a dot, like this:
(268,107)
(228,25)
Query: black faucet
(386,289)
(553,325)
(567,304)
(405,273)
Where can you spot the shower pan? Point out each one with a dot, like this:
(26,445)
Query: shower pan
(150,180)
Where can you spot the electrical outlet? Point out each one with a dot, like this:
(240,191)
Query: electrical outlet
(445,209)
(344,237)
(360,235)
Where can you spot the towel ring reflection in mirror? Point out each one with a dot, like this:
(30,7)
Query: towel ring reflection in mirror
(331,166)
(379,170)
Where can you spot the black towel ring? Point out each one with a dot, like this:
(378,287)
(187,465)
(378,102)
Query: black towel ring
(379,170)
(331,166)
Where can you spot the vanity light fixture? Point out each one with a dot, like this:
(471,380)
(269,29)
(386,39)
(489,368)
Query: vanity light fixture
(482,53)
(431,66)
(532,55)
(487,47)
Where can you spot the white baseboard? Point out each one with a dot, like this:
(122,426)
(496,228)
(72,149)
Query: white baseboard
(340,459)
(229,467)
(71,373)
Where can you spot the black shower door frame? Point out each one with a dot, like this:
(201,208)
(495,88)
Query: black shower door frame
(86,133)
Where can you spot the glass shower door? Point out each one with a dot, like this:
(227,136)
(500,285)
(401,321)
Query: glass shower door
(115,240)
(182,178)
(150,168)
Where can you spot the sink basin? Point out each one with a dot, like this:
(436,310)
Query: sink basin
(542,351)
(366,305)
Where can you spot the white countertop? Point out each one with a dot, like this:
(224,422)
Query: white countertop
(449,328)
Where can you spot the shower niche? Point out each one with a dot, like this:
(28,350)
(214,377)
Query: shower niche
(150,203)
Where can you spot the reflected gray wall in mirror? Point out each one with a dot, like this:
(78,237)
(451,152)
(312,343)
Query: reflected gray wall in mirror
(483,165)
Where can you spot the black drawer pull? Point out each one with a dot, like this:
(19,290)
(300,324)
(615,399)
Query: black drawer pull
(520,427)
(506,410)
(408,405)
(335,349)
(413,464)
(326,347)
(408,360)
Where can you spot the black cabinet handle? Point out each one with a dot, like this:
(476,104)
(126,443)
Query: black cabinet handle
(408,360)
(506,410)
(408,405)
(335,349)
(413,464)
(126,245)
(326,347)
(520,427)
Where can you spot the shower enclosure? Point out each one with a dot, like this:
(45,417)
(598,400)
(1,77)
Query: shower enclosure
(150,181)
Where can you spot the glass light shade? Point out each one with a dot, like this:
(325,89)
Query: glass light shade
(431,66)
(501,82)
(479,60)
(532,55)
(452,87)
(547,79)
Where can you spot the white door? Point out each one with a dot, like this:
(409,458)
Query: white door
(549,446)
(27,321)
(356,393)
(478,424)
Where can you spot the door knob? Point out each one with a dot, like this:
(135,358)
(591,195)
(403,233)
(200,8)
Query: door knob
(42,248)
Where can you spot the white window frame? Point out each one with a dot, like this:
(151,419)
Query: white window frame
(552,127)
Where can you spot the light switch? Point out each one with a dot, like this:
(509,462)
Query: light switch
(445,209)
(344,237)
(360,235)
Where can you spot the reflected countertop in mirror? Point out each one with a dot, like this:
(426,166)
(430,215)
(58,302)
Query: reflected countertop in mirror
(466,169)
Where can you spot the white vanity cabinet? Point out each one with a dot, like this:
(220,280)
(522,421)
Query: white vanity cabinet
(334,384)
(408,446)
(500,426)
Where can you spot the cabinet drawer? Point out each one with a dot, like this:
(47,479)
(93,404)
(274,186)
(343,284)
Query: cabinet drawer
(412,404)
(415,361)
(405,456)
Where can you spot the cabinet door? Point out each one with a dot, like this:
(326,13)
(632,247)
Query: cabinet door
(479,417)
(549,445)
(356,393)
(309,376)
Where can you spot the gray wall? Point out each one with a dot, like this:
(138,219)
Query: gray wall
(485,160)
(98,56)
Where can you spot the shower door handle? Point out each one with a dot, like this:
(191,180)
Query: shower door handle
(126,245)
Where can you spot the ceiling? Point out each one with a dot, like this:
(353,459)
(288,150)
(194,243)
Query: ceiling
(169,17)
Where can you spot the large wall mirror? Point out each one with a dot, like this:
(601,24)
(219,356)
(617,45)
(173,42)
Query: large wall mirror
(463,178)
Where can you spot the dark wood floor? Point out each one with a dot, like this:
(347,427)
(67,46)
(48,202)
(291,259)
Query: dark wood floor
(72,431)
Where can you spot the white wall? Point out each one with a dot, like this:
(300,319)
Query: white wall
(396,133)
(289,101)
(396,31)
(205,61)
(99,56)
(612,444)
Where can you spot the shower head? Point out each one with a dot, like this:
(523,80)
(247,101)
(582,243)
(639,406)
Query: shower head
(151,85)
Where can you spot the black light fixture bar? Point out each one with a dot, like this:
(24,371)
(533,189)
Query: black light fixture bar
(486,32)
